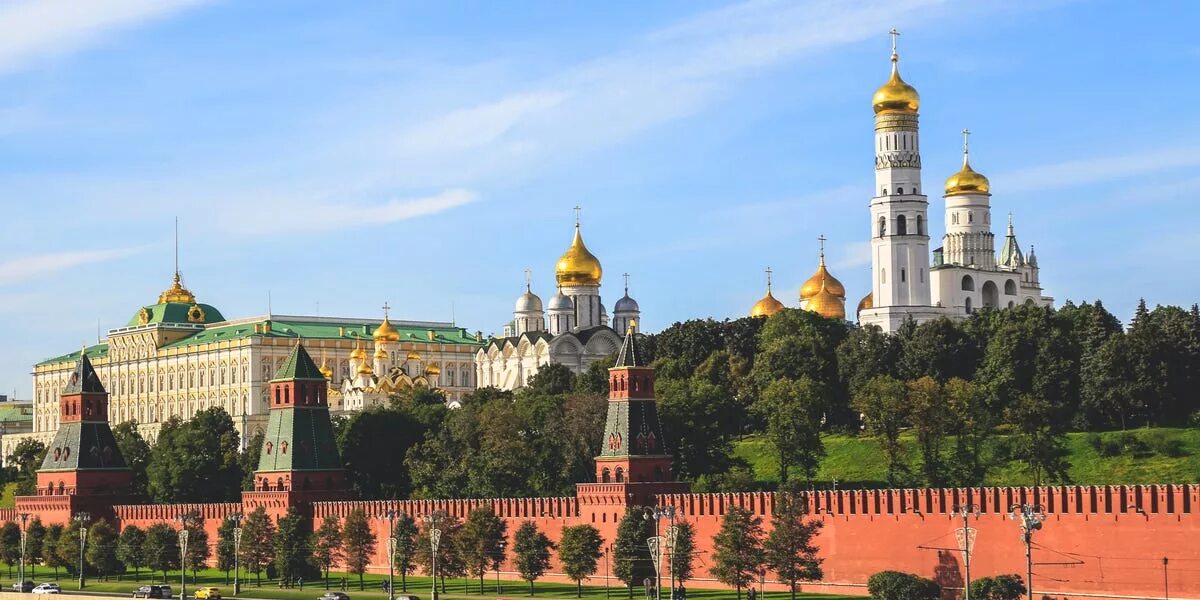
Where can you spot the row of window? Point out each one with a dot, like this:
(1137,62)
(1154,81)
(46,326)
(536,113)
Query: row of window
(902,226)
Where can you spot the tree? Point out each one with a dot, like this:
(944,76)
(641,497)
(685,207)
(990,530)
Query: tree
(35,540)
(930,420)
(883,405)
(226,547)
(258,535)
(196,460)
(68,548)
(248,461)
(792,411)
(531,549)
(27,456)
(131,548)
(1038,442)
(359,543)
(631,557)
(10,544)
(405,533)
(293,558)
(579,553)
(999,587)
(683,563)
(788,549)
(161,550)
(101,552)
(973,423)
(894,585)
(865,354)
(50,547)
(372,444)
(552,379)
(710,415)
(737,549)
(198,550)
(136,452)
(327,545)
(478,541)
(448,562)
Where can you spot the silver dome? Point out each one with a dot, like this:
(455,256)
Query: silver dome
(528,302)
(561,301)
(626,304)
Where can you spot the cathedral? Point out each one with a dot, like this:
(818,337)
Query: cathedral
(966,273)
(572,330)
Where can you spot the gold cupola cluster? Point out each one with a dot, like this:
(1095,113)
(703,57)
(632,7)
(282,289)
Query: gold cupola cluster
(578,266)
(967,180)
(823,293)
(896,96)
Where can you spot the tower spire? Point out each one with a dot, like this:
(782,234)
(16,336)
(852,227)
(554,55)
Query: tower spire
(528,279)
(578,209)
(895,34)
(768,280)
(626,276)
(966,133)
(821,240)
(176,248)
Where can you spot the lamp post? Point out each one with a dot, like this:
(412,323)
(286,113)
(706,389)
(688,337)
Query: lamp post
(183,540)
(82,518)
(390,515)
(1030,518)
(656,544)
(966,543)
(607,588)
(24,518)
(435,536)
(237,551)
(499,559)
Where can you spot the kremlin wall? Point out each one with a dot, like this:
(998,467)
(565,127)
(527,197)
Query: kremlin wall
(1097,541)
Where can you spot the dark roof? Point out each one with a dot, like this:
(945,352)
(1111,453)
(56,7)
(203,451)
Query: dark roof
(83,446)
(583,335)
(84,379)
(301,439)
(630,354)
(532,336)
(299,365)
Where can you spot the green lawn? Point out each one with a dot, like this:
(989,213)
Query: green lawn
(455,588)
(858,461)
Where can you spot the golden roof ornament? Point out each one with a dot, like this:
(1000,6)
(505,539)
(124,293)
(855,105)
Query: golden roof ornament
(967,180)
(578,266)
(822,278)
(827,305)
(325,370)
(867,302)
(358,352)
(896,96)
(768,305)
(177,293)
(386,332)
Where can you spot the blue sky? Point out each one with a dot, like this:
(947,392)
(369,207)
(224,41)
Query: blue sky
(348,154)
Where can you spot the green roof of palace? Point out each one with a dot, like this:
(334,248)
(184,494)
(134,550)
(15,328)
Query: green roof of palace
(296,328)
(174,312)
(299,365)
(16,413)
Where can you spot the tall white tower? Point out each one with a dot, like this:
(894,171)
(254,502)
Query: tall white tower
(899,211)
(969,241)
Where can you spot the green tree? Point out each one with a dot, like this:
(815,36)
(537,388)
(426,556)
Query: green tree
(68,548)
(531,549)
(258,536)
(865,354)
(10,544)
(27,456)
(579,553)
(198,550)
(737,549)
(161,550)
(999,587)
(792,411)
(131,548)
(553,379)
(372,444)
(594,380)
(1038,441)
(248,461)
(709,413)
(973,423)
(226,547)
(327,545)
(35,543)
(359,543)
(50,547)
(196,460)
(789,549)
(631,557)
(478,541)
(684,559)
(136,452)
(931,421)
(406,547)
(894,585)
(883,405)
(101,552)
(449,563)
(939,349)
(293,557)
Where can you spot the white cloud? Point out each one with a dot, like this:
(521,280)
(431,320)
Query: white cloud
(30,267)
(1099,169)
(853,255)
(291,216)
(35,29)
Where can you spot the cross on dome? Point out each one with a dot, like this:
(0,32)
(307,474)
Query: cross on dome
(895,34)
(769,279)
(528,279)
(386,308)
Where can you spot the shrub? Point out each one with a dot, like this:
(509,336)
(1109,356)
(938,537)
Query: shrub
(894,585)
(1161,443)
(1094,440)
(1133,446)
(1000,587)
(1109,447)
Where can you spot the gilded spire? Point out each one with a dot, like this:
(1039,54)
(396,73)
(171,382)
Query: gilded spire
(578,266)
(896,95)
(768,304)
(386,332)
(967,180)
(822,278)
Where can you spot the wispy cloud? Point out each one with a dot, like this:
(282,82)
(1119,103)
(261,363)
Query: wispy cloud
(30,267)
(290,216)
(1099,169)
(853,256)
(36,29)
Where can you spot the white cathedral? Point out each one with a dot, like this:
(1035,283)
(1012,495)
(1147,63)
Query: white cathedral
(966,273)
(578,333)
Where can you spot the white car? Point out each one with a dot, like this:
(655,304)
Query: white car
(47,588)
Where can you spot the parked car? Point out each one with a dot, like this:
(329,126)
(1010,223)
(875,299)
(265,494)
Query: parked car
(407,597)
(208,593)
(23,586)
(334,596)
(47,588)
(153,591)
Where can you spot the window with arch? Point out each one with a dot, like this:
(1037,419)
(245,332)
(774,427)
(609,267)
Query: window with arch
(883,276)
(920,225)
(1010,288)
(968,305)
(968,284)
(605,475)
(900,191)
(922,275)
(903,275)
(620,475)
(970,216)
(882,226)
(901,225)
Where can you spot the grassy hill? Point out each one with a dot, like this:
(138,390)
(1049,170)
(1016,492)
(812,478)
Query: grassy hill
(1139,456)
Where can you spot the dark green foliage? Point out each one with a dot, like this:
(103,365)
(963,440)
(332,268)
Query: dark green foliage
(327,544)
(293,556)
(226,547)
(553,378)
(250,457)
(131,549)
(35,545)
(792,412)
(894,585)
(136,452)
(883,403)
(10,544)
(478,542)
(50,547)
(372,444)
(196,460)
(737,549)
(579,553)
(631,557)
(405,533)
(1000,587)
(359,543)
(531,552)
(789,550)
(27,455)
(594,380)
(685,552)
(160,551)
(101,552)
(258,536)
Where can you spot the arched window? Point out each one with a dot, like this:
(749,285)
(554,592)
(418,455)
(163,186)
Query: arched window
(920,225)
(620,475)
(605,475)
(903,275)
(970,217)
(882,226)
(968,284)
(901,225)
(900,191)
(1010,288)
(968,304)
(883,276)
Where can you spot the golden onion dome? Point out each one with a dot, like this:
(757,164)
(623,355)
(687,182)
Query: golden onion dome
(822,278)
(386,332)
(365,368)
(432,370)
(326,371)
(358,353)
(578,266)
(177,293)
(867,302)
(380,353)
(967,181)
(827,305)
(895,95)
(767,306)
(413,355)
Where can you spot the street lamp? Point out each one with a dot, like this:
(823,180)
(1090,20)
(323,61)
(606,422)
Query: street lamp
(183,540)
(24,517)
(1031,518)
(499,559)
(607,587)
(435,537)
(656,543)
(82,518)
(390,515)
(966,543)
(237,551)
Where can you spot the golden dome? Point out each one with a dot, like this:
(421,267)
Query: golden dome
(867,302)
(365,368)
(967,181)
(386,332)
(432,370)
(177,293)
(822,278)
(895,95)
(413,355)
(767,306)
(325,370)
(827,305)
(358,352)
(380,353)
(578,266)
